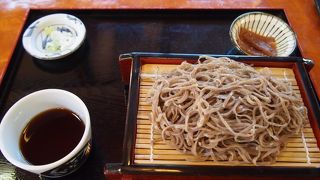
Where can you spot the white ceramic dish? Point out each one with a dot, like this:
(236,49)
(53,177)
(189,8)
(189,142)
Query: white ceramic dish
(20,114)
(54,36)
(266,25)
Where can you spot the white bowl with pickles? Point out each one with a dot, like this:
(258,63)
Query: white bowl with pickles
(54,36)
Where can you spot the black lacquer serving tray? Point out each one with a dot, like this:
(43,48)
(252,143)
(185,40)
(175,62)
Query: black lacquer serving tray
(93,72)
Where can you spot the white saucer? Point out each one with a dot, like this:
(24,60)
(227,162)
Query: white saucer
(267,25)
(54,36)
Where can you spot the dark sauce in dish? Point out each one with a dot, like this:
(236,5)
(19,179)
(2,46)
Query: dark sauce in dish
(50,136)
(255,44)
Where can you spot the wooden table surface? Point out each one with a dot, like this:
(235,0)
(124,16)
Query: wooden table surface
(302,16)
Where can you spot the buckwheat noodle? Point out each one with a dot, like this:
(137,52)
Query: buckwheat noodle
(223,110)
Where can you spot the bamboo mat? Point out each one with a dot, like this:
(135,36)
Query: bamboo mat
(301,150)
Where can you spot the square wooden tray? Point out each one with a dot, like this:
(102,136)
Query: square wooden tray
(301,155)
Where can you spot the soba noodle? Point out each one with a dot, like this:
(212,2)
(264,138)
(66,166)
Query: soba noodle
(223,110)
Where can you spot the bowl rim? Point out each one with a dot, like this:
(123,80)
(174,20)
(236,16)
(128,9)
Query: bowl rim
(235,44)
(27,41)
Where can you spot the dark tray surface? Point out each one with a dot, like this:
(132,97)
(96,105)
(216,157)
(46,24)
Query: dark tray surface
(93,72)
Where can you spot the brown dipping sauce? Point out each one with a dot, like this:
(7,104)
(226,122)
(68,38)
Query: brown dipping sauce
(255,44)
(50,136)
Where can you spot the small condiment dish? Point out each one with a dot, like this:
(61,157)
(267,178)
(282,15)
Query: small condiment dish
(54,36)
(266,25)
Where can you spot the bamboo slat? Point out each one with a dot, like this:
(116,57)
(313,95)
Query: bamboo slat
(149,149)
